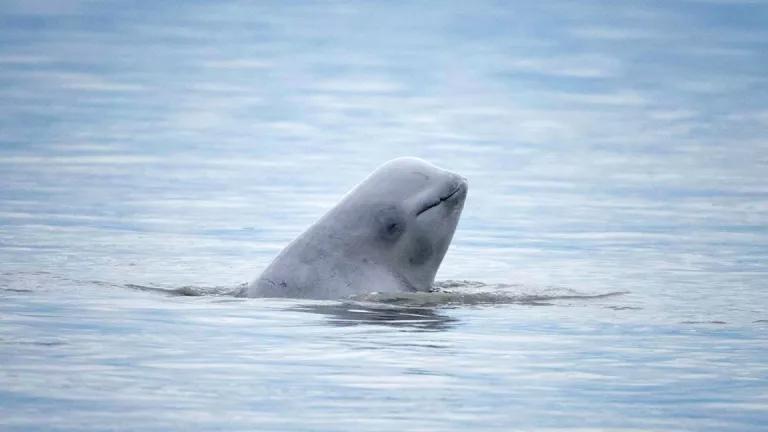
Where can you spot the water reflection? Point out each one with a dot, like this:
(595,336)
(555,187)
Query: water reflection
(354,314)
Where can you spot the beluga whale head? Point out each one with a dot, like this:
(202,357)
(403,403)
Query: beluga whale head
(388,234)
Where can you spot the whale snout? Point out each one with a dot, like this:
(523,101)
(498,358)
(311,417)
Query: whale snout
(459,186)
(455,194)
(463,182)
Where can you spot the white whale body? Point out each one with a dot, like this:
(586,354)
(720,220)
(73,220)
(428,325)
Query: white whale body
(389,234)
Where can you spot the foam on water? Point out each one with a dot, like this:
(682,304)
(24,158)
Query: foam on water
(464,292)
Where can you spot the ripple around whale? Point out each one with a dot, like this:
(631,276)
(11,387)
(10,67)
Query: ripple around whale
(418,311)
(444,293)
(464,292)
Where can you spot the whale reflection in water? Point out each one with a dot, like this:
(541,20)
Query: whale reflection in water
(354,314)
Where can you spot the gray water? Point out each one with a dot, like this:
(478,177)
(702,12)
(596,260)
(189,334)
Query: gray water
(608,273)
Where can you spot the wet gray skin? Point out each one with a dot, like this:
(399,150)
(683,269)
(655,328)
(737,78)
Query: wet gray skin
(389,234)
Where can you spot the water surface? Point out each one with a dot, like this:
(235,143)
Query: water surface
(613,243)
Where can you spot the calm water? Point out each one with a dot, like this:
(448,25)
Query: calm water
(617,160)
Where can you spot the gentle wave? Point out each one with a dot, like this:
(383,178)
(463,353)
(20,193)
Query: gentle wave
(189,290)
(465,292)
(444,293)
(448,292)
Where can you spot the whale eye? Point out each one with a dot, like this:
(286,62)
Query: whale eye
(390,224)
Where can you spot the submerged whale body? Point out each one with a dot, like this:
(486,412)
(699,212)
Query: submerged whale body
(389,234)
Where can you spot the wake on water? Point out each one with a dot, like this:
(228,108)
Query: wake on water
(413,310)
(465,292)
(444,293)
(419,310)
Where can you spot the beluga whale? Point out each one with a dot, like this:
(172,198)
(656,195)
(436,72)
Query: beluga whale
(388,234)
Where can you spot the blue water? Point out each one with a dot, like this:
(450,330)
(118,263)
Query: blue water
(609,268)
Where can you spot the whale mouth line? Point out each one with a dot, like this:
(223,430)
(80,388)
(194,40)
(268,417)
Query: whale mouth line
(440,200)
